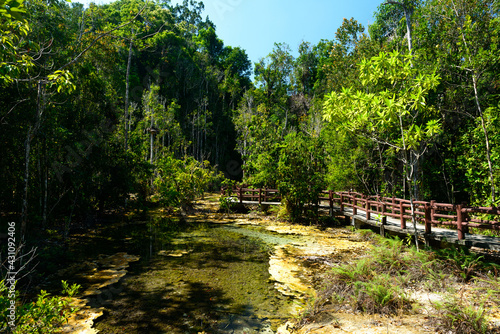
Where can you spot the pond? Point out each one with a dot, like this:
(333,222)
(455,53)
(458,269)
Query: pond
(190,277)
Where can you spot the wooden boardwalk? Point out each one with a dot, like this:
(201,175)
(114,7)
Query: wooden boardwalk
(436,236)
(391,215)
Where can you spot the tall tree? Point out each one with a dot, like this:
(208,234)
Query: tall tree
(462,37)
(392,111)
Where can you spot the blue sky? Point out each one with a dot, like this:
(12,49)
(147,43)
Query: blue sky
(255,25)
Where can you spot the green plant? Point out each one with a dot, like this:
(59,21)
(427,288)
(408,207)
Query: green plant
(380,296)
(466,263)
(461,317)
(44,315)
(489,289)
(300,174)
(226,203)
(179,182)
(377,283)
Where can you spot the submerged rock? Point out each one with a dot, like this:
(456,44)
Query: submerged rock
(178,253)
(105,272)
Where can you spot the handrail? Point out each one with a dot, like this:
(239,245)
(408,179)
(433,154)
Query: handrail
(430,213)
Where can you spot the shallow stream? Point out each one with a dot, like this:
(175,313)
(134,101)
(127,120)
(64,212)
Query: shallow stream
(190,278)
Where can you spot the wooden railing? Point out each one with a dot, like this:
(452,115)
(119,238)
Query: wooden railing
(431,213)
(261,195)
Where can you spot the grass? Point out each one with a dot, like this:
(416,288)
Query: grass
(378,283)
(458,315)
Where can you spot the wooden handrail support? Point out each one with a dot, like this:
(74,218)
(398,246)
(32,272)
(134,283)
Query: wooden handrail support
(402,215)
(354,204)
(367,208)
(428,218)
(460,227)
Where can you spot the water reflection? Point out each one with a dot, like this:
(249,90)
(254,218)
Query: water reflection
(192,278)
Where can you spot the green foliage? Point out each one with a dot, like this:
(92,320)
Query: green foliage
(179,182)
(300,172)
(378,283)
(461,316)
(44,315)
(226,203)
(466,263)
(400,95)
(390,23)
(14,29)
(474,160)
(12,9)
(489,287)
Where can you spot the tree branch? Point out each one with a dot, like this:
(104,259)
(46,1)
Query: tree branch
(74,60)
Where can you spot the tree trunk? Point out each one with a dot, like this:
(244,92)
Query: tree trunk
(486,139)
(408,13)
(32,130)
(408,28)
(412,179)
(24,210)
(127,88)
(151,141)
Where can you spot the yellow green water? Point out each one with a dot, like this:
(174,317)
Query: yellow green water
(192,278)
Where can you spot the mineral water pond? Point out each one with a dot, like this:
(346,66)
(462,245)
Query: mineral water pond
(165,275)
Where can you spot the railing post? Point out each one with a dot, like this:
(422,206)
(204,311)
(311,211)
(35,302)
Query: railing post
(428,219)
(330,197)
(465,217)
(433,210)
(460,227)
(402,214)
(341,202)
(379,204)
(354,204)
(241,195)
(367,208)
(384,218)
(260,196)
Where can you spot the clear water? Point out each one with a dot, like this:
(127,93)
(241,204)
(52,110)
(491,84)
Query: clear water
(192,278)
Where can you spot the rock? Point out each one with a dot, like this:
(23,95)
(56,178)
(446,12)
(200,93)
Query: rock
(285,329)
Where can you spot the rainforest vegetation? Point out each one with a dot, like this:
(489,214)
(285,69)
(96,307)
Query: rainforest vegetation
(142,100)
(138,103)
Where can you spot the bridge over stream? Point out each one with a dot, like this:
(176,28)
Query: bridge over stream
(437,223)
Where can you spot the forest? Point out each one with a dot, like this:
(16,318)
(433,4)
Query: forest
(134,98)
(139,103)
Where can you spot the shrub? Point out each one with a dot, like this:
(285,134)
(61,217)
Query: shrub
(460,317)
(377,282)
(179,182)
(44,315)
(300,173)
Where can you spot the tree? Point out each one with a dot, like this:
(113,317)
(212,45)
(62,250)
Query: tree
(392,111)
(461,36)
(300,171)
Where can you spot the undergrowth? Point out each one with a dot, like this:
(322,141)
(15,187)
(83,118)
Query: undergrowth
(377,282)
(458,315)
(380,283)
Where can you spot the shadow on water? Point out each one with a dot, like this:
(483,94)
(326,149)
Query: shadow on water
(192,277)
